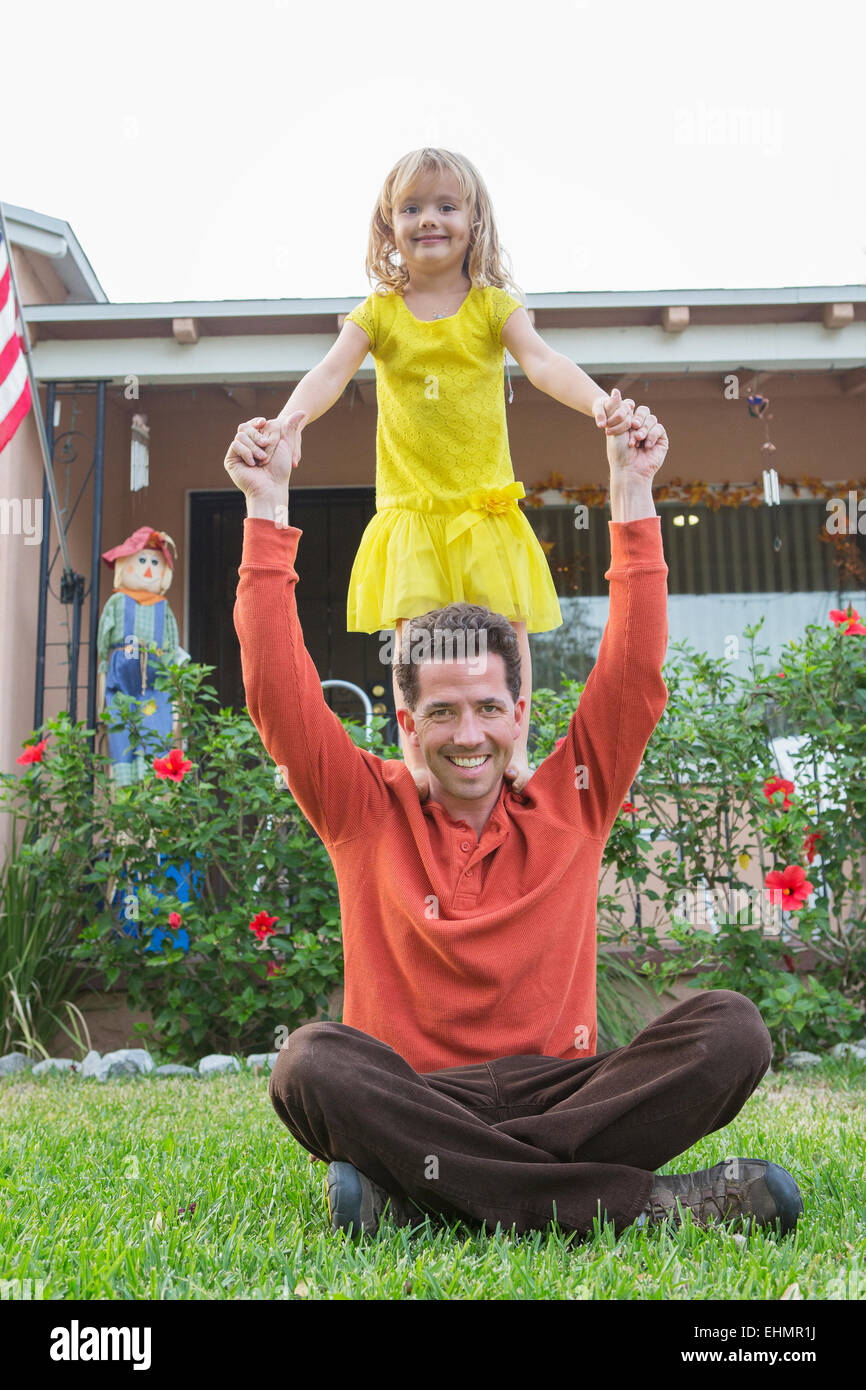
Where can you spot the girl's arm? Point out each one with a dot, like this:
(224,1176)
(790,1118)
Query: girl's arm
(325,383)
(558,376)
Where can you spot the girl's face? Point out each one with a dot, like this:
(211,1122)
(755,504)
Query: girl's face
(431,226)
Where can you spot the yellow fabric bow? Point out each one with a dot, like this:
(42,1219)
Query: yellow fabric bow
(480,504)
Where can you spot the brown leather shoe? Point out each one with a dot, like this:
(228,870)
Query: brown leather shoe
(743,1191)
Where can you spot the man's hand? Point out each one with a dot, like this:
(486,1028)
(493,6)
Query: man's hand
(641,452)
(261,455)
(612,414)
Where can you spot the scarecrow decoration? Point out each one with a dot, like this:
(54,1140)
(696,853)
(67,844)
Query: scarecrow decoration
(137,633)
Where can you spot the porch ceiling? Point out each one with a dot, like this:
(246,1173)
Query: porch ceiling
(608,333)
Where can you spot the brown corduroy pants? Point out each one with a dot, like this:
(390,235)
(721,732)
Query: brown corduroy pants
(528,1139)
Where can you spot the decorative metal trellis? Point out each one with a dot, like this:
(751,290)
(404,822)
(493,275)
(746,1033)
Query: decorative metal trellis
(65,450)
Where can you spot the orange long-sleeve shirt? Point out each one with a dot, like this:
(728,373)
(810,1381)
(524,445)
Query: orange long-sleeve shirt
(456,949)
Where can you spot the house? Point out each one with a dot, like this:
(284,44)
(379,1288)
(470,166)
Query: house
(124,385)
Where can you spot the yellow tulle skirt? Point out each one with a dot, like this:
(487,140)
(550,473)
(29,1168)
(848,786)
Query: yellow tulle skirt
(411,561)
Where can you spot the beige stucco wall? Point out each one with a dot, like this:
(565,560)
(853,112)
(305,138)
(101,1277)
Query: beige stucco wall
(21,473)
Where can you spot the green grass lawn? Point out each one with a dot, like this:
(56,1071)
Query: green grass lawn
(89,1173)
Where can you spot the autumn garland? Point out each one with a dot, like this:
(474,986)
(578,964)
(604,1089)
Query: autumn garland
(716,495)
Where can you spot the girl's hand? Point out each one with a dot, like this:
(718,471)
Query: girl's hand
(643,455)
(296,423)
(611,413)
(259,458)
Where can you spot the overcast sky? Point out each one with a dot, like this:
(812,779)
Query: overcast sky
(230,151)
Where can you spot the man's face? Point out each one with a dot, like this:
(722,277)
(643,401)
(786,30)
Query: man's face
(466,723)
(432,208)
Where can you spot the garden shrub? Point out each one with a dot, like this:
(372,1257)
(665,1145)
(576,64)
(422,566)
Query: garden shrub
(709,789)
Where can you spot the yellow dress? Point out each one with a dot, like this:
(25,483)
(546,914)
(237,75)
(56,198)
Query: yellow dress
(447,527)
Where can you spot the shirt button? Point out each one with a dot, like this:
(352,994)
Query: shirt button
(468,873)
(465,845)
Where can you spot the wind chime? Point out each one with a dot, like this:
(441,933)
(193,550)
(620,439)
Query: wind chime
(759,409)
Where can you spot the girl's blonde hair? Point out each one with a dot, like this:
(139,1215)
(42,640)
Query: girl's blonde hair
(486,263)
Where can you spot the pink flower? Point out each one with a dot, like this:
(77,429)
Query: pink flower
(262,925)
(175,920)
(174,766)
(793,884)
(851,618)
(629,806)
(274,969)
(33,753)
(778,784)
(809,844)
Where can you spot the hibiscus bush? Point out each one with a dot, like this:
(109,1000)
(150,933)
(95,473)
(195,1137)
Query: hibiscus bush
(201,890)
(754,878)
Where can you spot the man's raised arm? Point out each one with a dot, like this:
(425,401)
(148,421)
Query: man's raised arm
(337,785)
(625,695)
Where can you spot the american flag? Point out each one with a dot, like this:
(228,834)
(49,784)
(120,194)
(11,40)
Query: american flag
(14,380)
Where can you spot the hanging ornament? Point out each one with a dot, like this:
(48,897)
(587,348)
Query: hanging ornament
(139,455)
(771,487)
(759,409)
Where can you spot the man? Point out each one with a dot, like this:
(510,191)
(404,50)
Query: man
(464,1079)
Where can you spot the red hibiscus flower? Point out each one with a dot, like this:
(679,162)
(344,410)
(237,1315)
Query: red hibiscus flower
(274,969)
(778,784)
(793,885)
(629,806)
(174,766)
(263,926)
(175,920)
(851,618)
(809,844)
(33,754)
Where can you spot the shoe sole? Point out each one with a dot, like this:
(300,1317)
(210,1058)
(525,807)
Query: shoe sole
(345,1197)
(786,1196)
(343,1189)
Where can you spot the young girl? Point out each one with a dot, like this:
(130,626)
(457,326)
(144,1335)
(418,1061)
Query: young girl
(447,526)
